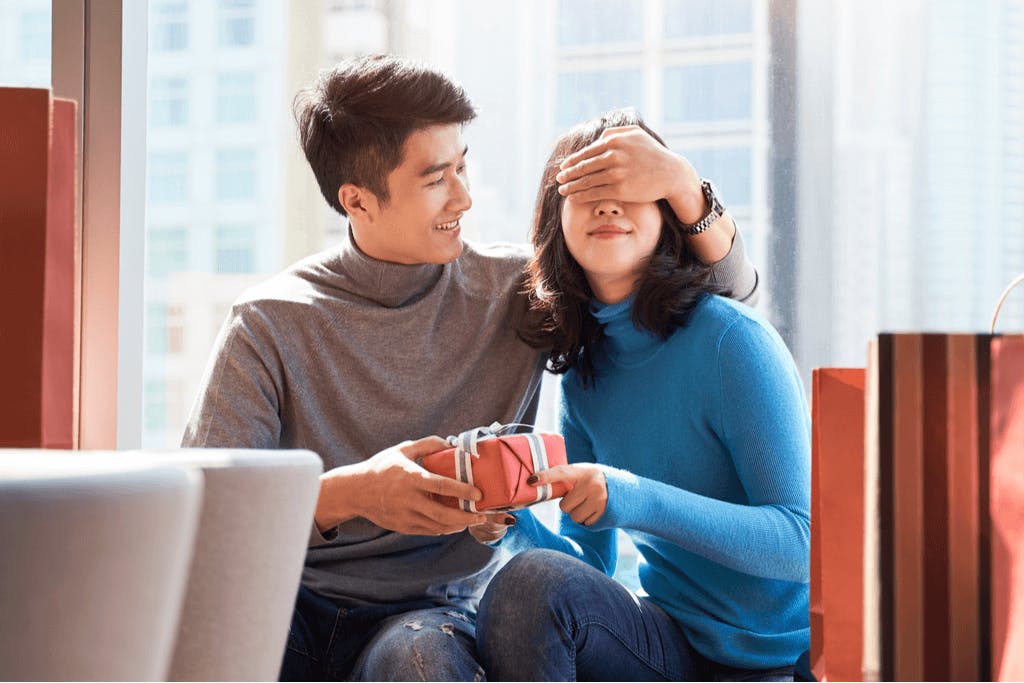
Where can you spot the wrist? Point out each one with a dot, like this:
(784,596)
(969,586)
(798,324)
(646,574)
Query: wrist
(337,500)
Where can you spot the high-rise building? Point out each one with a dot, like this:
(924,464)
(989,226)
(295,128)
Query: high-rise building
(911,189)
(215,186)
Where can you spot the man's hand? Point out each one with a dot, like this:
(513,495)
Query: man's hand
(628,165)
(494,529)
(588,497)
(395,493)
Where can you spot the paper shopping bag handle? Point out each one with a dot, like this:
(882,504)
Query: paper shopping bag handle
(1006,293)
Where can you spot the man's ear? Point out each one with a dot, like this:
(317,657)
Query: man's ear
(358,202)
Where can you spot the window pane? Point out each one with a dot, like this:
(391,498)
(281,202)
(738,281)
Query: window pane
(236,98)
(700,18)
(236,173)
(238,23)
(235,249)
(25,43)
(168,177)
(708,92)
(586,22)
(169,26)
(168,100)
(588,94)
(728,167)
(167,251)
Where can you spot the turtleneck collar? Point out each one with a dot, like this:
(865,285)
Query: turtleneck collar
(391,285)
(624,341)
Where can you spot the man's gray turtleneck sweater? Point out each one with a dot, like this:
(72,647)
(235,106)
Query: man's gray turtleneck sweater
(346,355)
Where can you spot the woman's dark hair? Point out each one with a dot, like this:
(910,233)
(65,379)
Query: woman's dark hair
(353,122)
(559,319)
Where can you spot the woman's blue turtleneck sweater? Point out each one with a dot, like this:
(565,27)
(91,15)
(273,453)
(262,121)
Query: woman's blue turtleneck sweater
(704,439)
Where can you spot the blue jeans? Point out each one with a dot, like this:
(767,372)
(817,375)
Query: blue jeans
(549,617)
(412,641)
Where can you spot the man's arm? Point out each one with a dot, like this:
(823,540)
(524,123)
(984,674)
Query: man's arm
(629,165)
(239,407)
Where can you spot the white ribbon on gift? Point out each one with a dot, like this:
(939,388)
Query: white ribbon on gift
(466,449)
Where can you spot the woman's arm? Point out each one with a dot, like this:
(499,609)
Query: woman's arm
(763,422)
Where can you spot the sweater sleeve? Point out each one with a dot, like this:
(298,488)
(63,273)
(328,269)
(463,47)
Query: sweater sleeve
(763,422)
(238,401)
(736,273)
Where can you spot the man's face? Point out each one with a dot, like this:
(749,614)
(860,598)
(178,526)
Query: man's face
(429,193)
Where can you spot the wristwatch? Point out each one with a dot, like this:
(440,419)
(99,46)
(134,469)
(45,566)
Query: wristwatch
(715,210)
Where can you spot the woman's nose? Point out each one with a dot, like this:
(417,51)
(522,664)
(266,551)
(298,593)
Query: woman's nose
(607,207)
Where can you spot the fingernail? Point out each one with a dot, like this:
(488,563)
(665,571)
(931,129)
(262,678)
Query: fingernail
(560,176)
(509,520)
(532,480)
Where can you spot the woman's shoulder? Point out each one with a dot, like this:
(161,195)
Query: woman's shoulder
(719,320)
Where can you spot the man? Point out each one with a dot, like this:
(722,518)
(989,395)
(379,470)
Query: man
(402,331)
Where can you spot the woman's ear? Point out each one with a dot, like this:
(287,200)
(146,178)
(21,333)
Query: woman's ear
(358,202)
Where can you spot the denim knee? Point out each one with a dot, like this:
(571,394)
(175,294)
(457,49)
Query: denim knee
(414,649)
(529,585)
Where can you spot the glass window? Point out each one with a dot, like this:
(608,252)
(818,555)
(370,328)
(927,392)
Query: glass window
(236,98)
(156,328)
(586,94)
(699,18)
(236,252)
(236,174)
(708,92)
(728,167)
(34,36)
(175,329)
(168,102)
(169,28)
(25,43)
(589,22)
(167,251)
(155,406)
(168,177)
(237,23)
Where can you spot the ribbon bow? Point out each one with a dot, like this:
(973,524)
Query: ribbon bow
(466,448)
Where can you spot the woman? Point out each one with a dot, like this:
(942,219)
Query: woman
(686,426)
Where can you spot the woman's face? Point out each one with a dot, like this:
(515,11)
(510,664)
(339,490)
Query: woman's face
(612,241)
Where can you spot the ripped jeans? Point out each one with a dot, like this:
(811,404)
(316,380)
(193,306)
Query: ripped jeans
(415,641)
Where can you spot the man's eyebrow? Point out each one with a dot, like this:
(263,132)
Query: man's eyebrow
(431,170)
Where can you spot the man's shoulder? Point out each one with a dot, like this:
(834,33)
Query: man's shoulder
(295,287)
(492,266)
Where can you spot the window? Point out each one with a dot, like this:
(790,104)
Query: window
(236,174)
(168,102)
(235,249)
(168,177)
(34,36)
(155,406)
(586,94)
(167,251)
(156,329)
(703,18)
(708,92)
(728,167)
(169,29)
(175,329)
(236,98)
(590,22)
(237,23)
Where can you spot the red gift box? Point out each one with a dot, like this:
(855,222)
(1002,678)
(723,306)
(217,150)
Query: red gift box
(499,466)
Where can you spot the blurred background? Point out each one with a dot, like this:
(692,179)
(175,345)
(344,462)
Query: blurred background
(872,152)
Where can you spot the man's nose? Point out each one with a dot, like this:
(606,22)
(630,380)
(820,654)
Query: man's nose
(460,199)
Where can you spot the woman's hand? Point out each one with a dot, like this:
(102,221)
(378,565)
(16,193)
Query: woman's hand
(588,497)
(494,529)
